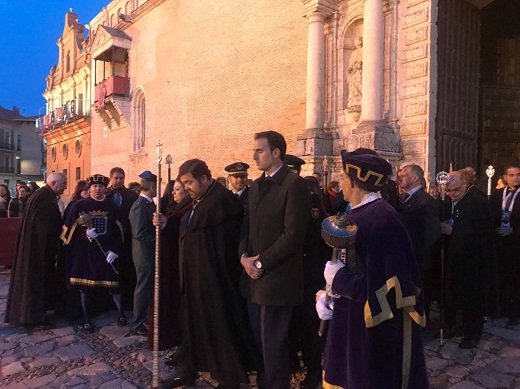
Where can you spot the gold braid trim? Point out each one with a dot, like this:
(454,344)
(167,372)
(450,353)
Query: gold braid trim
(379,177)
(67,237)
(407,303)
(85,282)
(326,385)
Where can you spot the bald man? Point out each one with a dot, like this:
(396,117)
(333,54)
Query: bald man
(33,277)
(467,255)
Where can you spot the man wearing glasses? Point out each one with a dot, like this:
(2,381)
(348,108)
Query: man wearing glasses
(467,258)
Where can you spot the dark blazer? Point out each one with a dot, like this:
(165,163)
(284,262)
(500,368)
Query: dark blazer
(129,197)
(420,215)
(274,227)
(143,232)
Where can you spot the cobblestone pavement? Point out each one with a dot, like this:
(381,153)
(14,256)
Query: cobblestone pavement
(63,357)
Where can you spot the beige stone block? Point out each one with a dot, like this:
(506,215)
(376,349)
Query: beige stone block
(414,128)
(412,3)
(416,70)
(415,53)
(416,17)
(414,146)
(415,108)
(413,90)
(416,35)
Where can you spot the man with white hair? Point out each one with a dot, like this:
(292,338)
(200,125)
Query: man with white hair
(32,286)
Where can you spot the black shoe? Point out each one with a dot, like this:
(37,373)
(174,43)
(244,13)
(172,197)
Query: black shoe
(311,381)
(139,331)
(121,322)
(468,343)
(87,328)
(185,377)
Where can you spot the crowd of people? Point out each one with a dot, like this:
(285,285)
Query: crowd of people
(243,270)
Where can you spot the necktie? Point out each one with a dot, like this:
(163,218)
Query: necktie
(118,199)
(405,197)
(237,195)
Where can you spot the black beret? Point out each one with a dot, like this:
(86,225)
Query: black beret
(369,170)
(98,179)
(237,169)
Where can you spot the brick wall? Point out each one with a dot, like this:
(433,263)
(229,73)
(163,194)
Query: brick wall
(214,73)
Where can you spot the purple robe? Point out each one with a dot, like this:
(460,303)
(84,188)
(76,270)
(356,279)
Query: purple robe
(374,337)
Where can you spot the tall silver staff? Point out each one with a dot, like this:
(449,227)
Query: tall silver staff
(490,172)
(442,179)
(155,364)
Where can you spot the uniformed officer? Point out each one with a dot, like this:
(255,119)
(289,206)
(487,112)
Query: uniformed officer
(293,163)
(237,176)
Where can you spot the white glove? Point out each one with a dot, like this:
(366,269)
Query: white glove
(111,257)
(330,271)
(445,228)
(504,231)
(324,312)
(91,233)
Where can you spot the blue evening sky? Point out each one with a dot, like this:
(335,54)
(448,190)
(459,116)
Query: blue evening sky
(29,30)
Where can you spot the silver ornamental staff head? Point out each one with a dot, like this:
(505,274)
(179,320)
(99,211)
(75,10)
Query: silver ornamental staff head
(158,150)
(442,178)
(168,159)
(337,231)
(490,171)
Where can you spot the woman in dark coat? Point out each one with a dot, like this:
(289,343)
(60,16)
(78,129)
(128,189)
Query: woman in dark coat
(5,198)
(169,326)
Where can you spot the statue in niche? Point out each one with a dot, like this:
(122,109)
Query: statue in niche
(353,76)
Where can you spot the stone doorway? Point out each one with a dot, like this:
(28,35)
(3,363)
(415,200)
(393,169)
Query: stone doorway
(478,78)
(500,84)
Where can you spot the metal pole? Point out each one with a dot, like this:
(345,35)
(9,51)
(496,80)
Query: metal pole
(442,179)
(155,363)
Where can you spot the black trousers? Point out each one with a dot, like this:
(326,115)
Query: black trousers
(270,326)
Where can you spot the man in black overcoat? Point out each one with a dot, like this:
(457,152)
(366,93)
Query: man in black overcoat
(33,278)
(124,198)
(421,218)
(505,211)
(215,334)
(272,237)
(468,255)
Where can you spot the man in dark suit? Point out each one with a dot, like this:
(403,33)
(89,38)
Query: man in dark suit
(237,177)
(143,251)
(505,211)
(270,250)
(420,215)
(124,198)
(468,253)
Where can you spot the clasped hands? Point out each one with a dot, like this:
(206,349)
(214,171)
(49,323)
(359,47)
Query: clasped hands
(249,266)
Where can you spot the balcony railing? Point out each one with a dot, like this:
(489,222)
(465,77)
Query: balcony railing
(72,110)
(113,85)
(7,169)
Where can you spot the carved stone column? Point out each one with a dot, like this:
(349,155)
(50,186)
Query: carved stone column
(315,141)
(314,117)
(373,61)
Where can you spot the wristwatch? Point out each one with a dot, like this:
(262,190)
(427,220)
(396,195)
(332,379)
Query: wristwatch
(257,264)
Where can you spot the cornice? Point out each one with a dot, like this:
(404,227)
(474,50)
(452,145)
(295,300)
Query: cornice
(326,7)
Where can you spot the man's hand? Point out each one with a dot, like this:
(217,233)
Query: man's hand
(251,270)
(91,233)
(445,228)
(330,271)
(504,231)
(159,220)
(111,257)
(322,308)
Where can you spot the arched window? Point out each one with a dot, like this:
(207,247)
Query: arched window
(112,24)
(128,9)
(67,64)
(139,122)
